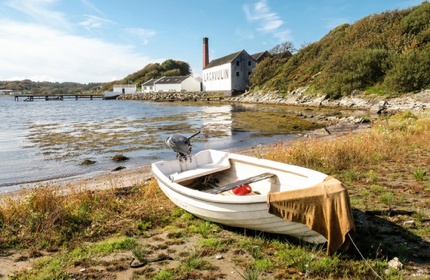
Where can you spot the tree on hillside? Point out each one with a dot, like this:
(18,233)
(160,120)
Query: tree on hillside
(181,68)
(283,48)
(169,67)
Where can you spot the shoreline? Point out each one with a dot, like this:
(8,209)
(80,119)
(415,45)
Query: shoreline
(375,104)
(126,178)
(333,127)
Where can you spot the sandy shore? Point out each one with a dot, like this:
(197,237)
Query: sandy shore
(117,179)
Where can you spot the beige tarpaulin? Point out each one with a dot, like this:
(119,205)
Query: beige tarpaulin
(324,208)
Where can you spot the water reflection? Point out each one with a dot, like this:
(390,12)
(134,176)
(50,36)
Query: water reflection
(217,120)
(43,140)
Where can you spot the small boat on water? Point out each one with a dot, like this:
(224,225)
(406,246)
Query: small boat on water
(258,194)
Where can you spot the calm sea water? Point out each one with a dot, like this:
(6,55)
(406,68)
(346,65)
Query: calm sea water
(47,140)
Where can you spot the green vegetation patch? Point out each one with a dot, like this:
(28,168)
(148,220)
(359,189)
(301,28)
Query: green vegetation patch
(269,123)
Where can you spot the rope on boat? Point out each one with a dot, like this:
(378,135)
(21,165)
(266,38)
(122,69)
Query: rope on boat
(365,260)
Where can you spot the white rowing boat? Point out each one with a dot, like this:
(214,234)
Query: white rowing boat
(247,192)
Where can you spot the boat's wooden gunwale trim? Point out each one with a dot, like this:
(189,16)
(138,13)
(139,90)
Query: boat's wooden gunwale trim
(239,183)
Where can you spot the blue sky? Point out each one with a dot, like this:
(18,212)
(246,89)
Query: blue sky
(104,40)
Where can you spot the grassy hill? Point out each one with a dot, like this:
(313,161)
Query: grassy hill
(169,67)
(387,53)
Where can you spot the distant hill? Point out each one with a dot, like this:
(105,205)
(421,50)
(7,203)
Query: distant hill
(169,67)
(383,53)
(28,86)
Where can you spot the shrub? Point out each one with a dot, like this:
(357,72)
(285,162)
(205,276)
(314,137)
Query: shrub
(355,70)
(410,72)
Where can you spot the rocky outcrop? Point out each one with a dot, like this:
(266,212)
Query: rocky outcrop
(375,104)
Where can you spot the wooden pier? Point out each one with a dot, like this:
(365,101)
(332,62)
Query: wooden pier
(57,97)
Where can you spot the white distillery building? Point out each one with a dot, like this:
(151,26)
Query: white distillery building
(230,73)
(172,83)
(128,89)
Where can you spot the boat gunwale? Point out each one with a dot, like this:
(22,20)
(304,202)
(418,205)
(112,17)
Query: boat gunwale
(271,166)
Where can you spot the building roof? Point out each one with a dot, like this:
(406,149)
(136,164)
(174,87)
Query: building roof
(171,80)
(259,56)
(150,82)
(231,57)
(223,60)
(125,85)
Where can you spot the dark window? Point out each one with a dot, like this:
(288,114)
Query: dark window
(237,63)
(249,63)
(249,73)
(237,74)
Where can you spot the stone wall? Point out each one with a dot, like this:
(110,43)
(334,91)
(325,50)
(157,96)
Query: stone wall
(173,96)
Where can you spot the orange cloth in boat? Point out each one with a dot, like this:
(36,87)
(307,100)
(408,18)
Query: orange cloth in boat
(324,208)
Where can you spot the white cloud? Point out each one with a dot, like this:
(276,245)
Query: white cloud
(94,22)
(141,34)
(33,51)
(91,6)
(40,11)
(40,44)
(268,22)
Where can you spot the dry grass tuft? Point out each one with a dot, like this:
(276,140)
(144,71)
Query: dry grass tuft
(43,217)
(389,139)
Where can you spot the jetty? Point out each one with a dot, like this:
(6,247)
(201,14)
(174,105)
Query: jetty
(57,97)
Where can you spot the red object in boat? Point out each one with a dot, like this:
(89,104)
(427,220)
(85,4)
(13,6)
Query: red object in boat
(242,190)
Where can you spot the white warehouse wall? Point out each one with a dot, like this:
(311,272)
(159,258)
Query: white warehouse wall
(217,78)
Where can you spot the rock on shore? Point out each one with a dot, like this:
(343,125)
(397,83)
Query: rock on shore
(376,104)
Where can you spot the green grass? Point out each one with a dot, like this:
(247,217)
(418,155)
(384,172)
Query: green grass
(420,174)
(387,198)
(80,228)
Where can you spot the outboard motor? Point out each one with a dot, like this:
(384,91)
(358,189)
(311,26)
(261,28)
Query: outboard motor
(181,145)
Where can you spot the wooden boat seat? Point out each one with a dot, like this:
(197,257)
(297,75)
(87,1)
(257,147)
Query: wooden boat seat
(239,183)
(202,167)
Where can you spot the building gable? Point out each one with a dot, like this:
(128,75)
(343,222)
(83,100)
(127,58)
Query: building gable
(150,82)
(258,57)
(229,73)
(223,60)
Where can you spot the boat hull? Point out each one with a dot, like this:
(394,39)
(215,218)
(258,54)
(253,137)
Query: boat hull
(248,211)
